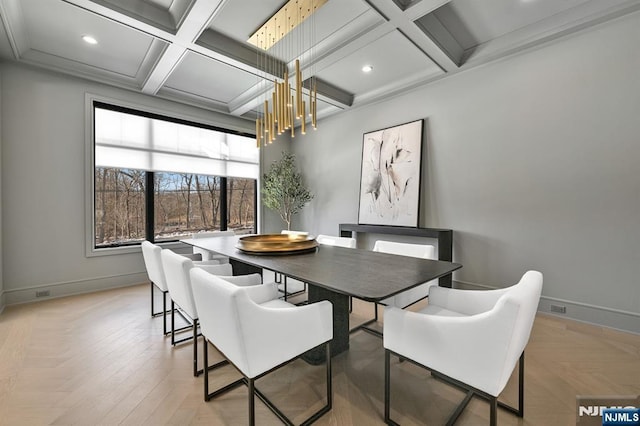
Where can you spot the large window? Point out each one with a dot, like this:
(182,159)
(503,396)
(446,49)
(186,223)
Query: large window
(161,179)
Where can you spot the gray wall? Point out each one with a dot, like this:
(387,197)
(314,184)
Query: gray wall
(43,184)
(1,273)
(531,160)
(270,221)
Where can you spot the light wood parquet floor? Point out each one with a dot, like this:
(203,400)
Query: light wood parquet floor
(99,359)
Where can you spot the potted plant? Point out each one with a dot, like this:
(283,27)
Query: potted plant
(283,189)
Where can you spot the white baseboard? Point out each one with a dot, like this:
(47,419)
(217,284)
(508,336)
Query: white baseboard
(582,312)
(68,288)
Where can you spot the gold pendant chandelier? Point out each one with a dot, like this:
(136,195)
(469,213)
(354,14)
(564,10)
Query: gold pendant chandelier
(286,105)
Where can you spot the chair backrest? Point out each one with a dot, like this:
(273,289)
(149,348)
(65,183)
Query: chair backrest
(329,240)
(153,263)
(206,254)
(424,251)
(221,304)
(176,272)
(300,233)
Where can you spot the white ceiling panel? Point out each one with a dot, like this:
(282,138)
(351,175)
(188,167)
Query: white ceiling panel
(120,49)
(161,4)
(472,22)
(329,18)
(240,19)
(393,58)
(208,78)
(196,51)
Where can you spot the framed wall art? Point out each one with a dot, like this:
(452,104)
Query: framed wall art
(390,176)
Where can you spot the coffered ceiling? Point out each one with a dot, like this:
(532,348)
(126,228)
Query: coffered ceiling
(196,51)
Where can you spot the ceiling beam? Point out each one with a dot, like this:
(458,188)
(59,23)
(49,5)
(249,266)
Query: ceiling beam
(404,21)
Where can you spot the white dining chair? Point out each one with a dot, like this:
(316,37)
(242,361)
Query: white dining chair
(177,273)
(471,339)
(206,254)
(259,333)
(330,240)
(289,286)
(347,242)
(408,297)
(423,251)
(290,232)
(153,264)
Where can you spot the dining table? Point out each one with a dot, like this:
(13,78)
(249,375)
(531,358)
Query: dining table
(335,274)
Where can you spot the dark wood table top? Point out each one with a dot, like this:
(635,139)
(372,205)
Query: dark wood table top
(364,274)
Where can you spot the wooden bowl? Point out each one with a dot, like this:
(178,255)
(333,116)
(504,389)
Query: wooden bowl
(277,244)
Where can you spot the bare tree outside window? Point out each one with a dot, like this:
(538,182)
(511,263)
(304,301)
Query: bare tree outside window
(183,204)
(120,206)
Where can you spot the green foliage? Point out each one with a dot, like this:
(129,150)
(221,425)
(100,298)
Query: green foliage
(283,190)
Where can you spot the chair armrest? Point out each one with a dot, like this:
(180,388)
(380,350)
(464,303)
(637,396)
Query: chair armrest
(472,349)
(467,302)
(276,335)
(244,280)
(262,293)
(224,269)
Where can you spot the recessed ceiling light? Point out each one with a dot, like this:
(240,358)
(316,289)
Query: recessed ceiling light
(89,39)
(367,68)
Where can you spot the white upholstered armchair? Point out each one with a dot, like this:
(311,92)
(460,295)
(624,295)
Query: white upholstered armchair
(290,286)
(473,339)
(206,254)
(423,251)
(257,333)
(155,271)
(176,270)
(330,240)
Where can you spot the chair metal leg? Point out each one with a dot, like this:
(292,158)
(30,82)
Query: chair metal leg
(252,405)
(164,309)
(471,392)
(205,362)
(329,375)
(493,411)
(173,325)
(387,388)
(173,322)
(520,410)
(205,354)
(285,289)
(459,409)
(521,386)
(196,373)
(153,309)
(205,357)
(253,391)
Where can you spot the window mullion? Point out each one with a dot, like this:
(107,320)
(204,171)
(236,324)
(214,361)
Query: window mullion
(223,204)
(150,206)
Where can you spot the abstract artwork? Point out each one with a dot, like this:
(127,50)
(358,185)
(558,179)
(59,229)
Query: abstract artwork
(390,176)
